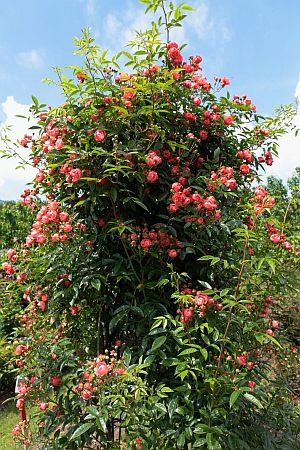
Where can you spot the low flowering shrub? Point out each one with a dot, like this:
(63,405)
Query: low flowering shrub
(15,222)
(147,285)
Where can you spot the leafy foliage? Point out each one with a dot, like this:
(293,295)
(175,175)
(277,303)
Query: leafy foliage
(15,221)
(149,281)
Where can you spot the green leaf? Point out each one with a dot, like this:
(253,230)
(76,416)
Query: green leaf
(138,202)
(206,258)
(140,52)
(201,428)
(216,154)
(233,398)
(270,261)
(215,261)
(102,424)
(93,411)
(170,362)
(181,440)
(259,337)
(161,407)
(224,292)
(35,100)
(204,353)
(158,342)
(166,389)
(253,400)
(188,8)
(157,322)
(116,319)
(272,264)
(82,429)
(212,443)
(96,283)
(114,194)
(272,339)
(188,351)
(199,442)
(162,282)
(171,407)
(183,374)
(149,359)
(81,202)
(205,339)
(127,356)
(127,54)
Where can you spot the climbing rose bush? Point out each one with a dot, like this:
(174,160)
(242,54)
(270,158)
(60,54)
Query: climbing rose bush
(146,285)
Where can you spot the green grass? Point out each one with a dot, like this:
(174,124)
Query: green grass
(9,417)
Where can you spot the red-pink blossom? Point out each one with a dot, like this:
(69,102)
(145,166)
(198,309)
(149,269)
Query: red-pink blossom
(152,176)
(228,120)
(275,238)
(101,369)
(146,243)
(203,135)
(241,360)
(231,184)
(99,135)
(172,253)
(55,380)
(16,430)
(244,169)
(43,406)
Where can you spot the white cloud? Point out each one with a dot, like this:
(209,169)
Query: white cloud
(201,25)
(90,8)
(200,22)
(297,91)
(289,148)
(116,28)
(12,180)
(120,28)
(111,25)
(33,59)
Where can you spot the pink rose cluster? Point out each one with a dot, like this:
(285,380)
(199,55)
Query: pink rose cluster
(176,60)
(27,197)
(40,298)
(225,176)
(278,237)
(72,175)
(157,239)
(243,100)
(200,304)
(242,360)
(53,137)
(98,371)
(26,141)
(52,224)
(174,55)
(196,204)
(262,201)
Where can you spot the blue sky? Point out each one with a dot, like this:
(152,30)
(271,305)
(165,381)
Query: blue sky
(255,43)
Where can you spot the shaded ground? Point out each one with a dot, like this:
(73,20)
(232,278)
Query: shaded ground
(9,417)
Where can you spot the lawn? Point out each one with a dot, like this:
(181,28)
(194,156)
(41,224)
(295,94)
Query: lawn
(9,416)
